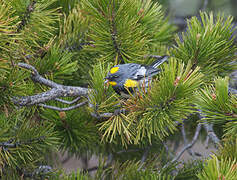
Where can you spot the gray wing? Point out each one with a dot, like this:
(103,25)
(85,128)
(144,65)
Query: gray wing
(138,71)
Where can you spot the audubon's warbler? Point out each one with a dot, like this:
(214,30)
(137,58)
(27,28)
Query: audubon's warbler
(130,76)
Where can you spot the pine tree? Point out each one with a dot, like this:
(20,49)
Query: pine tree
(54,56)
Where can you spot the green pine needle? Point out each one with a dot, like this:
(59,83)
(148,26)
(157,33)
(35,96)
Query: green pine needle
(169,101)
(208,43)
(217,104)
(143,28)
(219,169)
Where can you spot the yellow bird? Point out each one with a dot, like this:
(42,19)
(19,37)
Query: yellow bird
(127,77)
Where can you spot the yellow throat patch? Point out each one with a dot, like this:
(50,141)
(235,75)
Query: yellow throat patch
(130,83)
(114,70)
(112,83)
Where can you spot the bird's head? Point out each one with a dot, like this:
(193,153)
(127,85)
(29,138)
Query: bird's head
(113,76)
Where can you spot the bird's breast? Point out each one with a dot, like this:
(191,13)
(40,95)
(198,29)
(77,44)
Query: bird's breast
(131,83)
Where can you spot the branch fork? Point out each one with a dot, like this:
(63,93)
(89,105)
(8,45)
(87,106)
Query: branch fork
(56,91)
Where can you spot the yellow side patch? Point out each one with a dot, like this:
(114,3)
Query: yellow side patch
(114,70)
(112,83)
(130,83)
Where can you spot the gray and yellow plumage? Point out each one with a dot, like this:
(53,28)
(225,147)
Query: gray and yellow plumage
(127,77)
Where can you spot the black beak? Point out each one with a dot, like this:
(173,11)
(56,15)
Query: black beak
(108,77)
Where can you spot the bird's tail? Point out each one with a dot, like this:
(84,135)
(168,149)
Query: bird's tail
(159,60)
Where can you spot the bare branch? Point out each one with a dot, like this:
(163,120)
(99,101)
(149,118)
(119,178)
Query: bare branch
(10,144)
(57,90)
(68,102)
(129,150)
(106,115)
(207,142)
(188,146)
(41,171)
(190,151)
(63,109)
(209,129)
(211,134)
(144,157)
(108,163)
(36,77)
(232,90)
(205,3)
(102,115)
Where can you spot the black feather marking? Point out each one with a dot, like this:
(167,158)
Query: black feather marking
(160,60)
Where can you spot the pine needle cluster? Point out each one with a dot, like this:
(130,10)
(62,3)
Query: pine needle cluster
(75,43)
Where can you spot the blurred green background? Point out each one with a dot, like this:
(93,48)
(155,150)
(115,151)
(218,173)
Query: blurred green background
(191,7)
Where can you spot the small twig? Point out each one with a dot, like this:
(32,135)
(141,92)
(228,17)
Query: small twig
(188,146)
(41,171)
(113,33)
(209,129)
(108,163)
(68,102)
(166,147)
(145,154)
(211,134)
(102,115)
(205,3)
(190,151)
(168,152)
(153,56)
(63,109)
(106,115)
(144,157)
(129,150)
(232,90)
(207,142)
(9,143)
(180,21)
(25,18)
(66,159)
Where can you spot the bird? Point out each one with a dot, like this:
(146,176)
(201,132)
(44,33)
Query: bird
(125,78)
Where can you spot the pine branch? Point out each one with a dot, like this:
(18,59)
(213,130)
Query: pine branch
(113,32)
(9,144)
(25,18)
(40,171)
(97,115)
(57,90)
(103,115)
